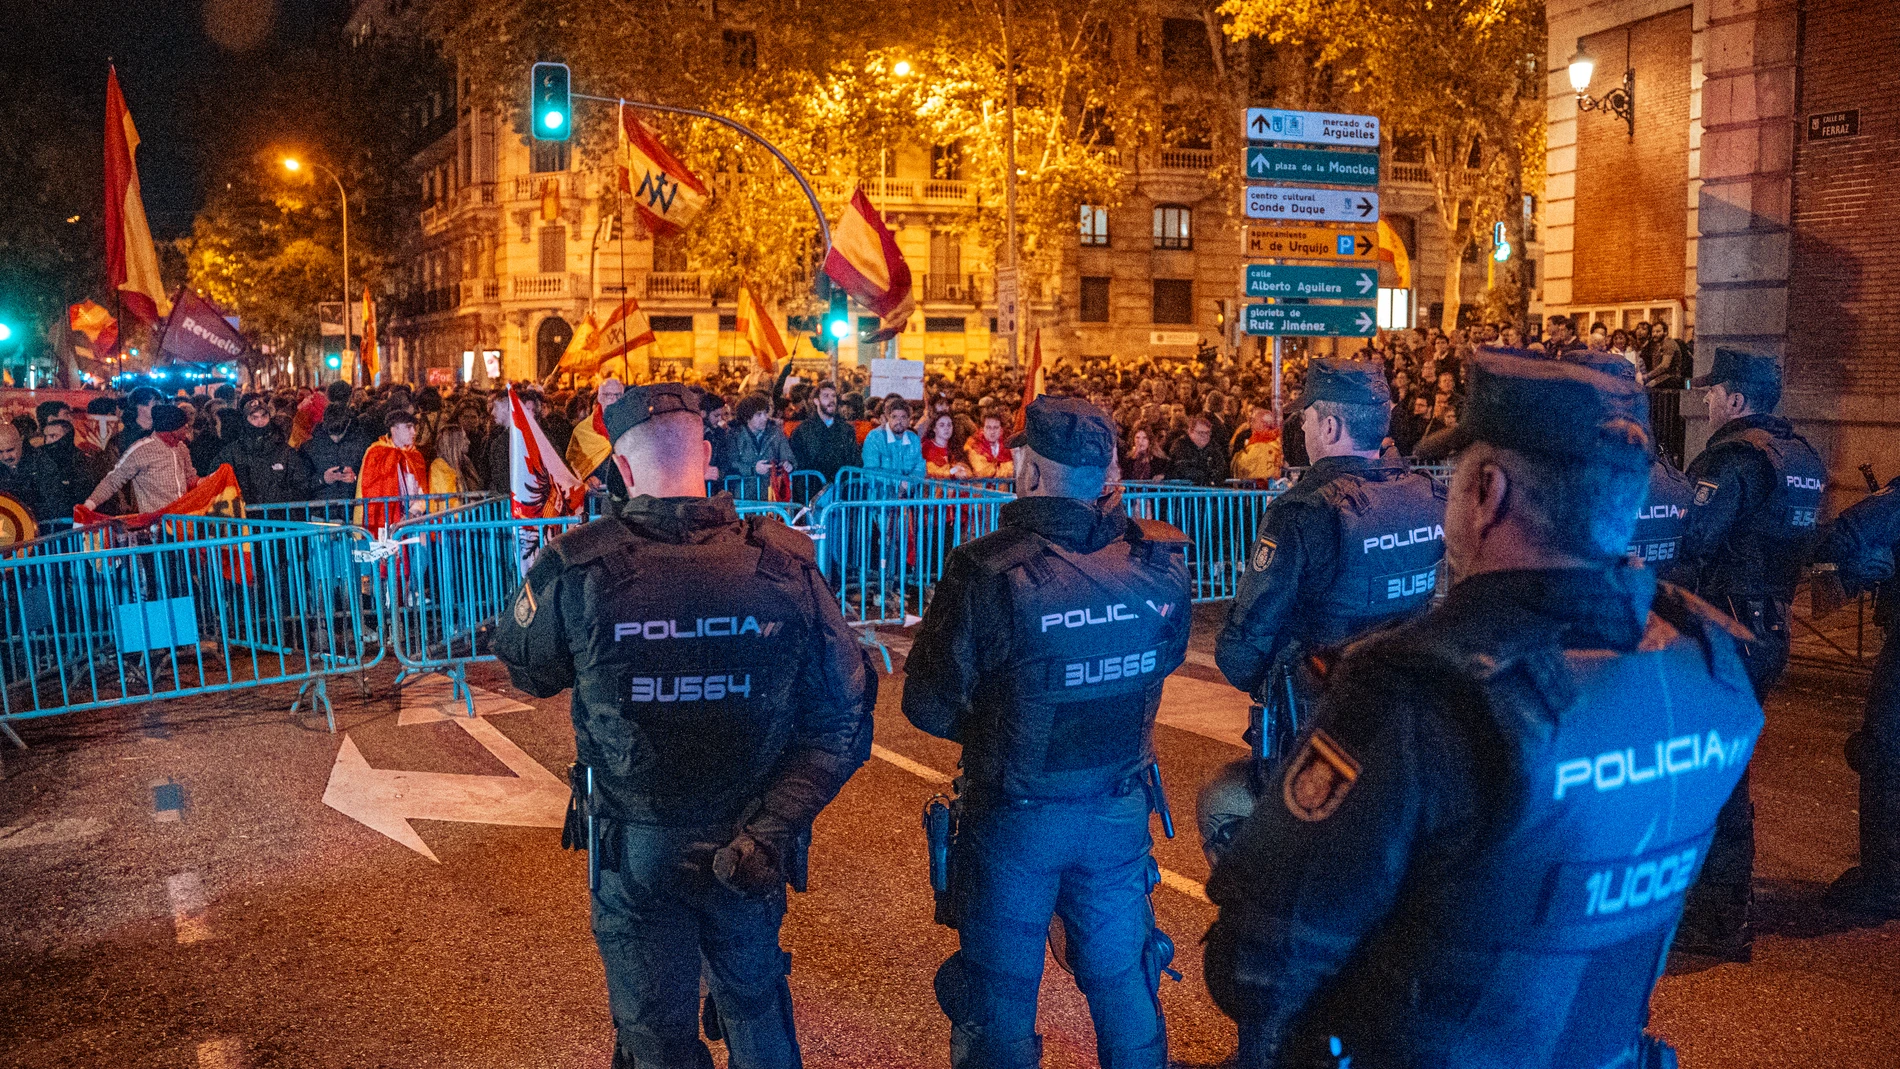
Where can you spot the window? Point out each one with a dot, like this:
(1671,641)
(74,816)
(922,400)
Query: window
(1395,309)
(946,161)
(671,324)
(728,324)
(943,325)
(1094,227)
(742,49)
(1095,299)
(1174,227)
(1174,300)
(1184,46)
(669,253)
(946,254)
(553,249)
(546,157)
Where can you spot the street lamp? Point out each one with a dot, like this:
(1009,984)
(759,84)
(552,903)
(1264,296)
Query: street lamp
(1620,101)
(294,165)
(901,68)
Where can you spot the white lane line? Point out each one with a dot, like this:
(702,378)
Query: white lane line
(1170,879)
(187,893)
(224,1052)
(923,772)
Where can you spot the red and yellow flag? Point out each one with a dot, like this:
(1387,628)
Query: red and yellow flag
(92,320)
(1034,383)
(131,259)
(626,331)
(589,446)
(760,331)
(1392,251)
(865,260)
(665,192)
(215,495)
(372,356)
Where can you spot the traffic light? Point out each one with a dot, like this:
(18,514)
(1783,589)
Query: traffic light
(550,108)
(838,319)
(334,361)
(1500,243)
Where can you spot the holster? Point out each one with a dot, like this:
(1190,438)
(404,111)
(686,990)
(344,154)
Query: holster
(1274,718)
(581,830)
(942,813)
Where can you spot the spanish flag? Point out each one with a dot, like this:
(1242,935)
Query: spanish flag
(131,259)
(372,357)
(97,324)
(864,259)
(215,495)
(1392,251)
(665,192)
(1034,383)
(589,447)
(759,331)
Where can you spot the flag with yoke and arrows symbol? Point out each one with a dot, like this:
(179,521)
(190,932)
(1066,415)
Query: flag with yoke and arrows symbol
(667,195)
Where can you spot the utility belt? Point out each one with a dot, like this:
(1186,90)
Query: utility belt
(588,827)
(943,818)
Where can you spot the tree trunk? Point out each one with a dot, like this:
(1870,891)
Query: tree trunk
(1455,246)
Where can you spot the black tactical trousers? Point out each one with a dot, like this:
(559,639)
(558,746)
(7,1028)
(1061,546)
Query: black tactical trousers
(1717,906)
(1879,763)
(655,921)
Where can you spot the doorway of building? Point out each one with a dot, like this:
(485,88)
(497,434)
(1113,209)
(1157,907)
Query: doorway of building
(550,341)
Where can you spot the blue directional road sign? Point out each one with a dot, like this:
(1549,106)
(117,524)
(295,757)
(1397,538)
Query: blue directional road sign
(1325,283)
(1315,165)
(1312,205)
(1322,320)
(1312,127)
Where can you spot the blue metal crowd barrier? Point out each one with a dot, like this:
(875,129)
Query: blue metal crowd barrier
(350,510)
(803,486)
(1221,525)
(208,605)
(871,484)
(882,557)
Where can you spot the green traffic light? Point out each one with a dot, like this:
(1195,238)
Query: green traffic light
(6,332)
(841,329)
(552,120)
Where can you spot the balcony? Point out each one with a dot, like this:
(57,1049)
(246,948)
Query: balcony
(478,290)
(945,191)
(532,186)
(1396,173)
(540,287)
(1187,159)
(955,289)
(675,286)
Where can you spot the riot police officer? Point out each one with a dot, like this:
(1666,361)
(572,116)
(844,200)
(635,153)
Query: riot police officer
(1477,853)
(1354,544)
(1043,652)
(1861,546)
(1752,526)
(1657,539)
(720,702)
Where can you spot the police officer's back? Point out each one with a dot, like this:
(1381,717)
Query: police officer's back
(1353,545)
(1478,851)
(1861,545)
(1657,538)
(720,702)
(1752,526)
(1043,652)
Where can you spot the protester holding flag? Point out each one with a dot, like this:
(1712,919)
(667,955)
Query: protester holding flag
(393,467)
(157,468)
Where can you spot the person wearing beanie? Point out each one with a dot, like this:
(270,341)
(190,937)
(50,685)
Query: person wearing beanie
(268,470)
(336,447)
(157,468)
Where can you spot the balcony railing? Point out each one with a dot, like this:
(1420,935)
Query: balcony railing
(1404,173)
(537,287)
(675,285)
(532,186)
(903,190)
(1187,159)
(956,289)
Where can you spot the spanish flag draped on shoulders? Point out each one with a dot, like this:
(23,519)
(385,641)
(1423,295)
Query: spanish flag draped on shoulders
(393,467)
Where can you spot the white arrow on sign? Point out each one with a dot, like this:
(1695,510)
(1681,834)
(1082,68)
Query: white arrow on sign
(388,799)
(1366,282)
(1364,321)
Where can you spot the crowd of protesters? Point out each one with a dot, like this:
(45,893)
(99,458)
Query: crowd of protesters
(1207,422)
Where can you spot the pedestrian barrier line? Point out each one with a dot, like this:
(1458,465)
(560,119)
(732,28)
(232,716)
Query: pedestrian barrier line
(368,513)
(1170,879)
(199,605)
(882,557)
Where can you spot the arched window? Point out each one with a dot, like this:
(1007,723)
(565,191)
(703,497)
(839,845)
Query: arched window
(1174,226)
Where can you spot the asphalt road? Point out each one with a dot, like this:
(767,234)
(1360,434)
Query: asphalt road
(174,891)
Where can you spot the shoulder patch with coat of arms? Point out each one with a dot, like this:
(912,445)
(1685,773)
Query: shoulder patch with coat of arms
(1318,778)
(1705,491)
(525,606)
(1262,555)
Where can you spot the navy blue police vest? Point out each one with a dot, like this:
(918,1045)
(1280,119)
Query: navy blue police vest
(1657,538)
(1541,948)
(1786,526)
(1391,538)
(1095,636)
(695,649)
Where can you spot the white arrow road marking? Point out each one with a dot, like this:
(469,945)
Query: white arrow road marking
(432,698)
(187,893)
(387,799)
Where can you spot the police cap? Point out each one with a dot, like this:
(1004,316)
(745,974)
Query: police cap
(1740,366)
(1067,430)
(642,403)
(1551,408)
(1349,382)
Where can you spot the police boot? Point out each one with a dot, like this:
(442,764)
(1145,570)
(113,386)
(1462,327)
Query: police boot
(1871,889)
(971,1048)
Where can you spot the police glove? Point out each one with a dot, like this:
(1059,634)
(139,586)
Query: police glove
(748,866)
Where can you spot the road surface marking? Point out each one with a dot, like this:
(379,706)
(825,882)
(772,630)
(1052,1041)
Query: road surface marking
(388,799)
(48,832)
(432,698)
(923,772)
(1170,879)
(187,893)
(222,1053)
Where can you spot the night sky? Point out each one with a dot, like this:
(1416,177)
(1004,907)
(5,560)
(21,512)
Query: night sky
(184,66)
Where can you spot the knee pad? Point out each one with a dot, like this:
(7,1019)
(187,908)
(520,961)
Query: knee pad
(754,996)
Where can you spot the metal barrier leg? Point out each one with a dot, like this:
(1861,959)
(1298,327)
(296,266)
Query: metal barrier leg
(458,681)
(12,736)
(322,694)
(868,636)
